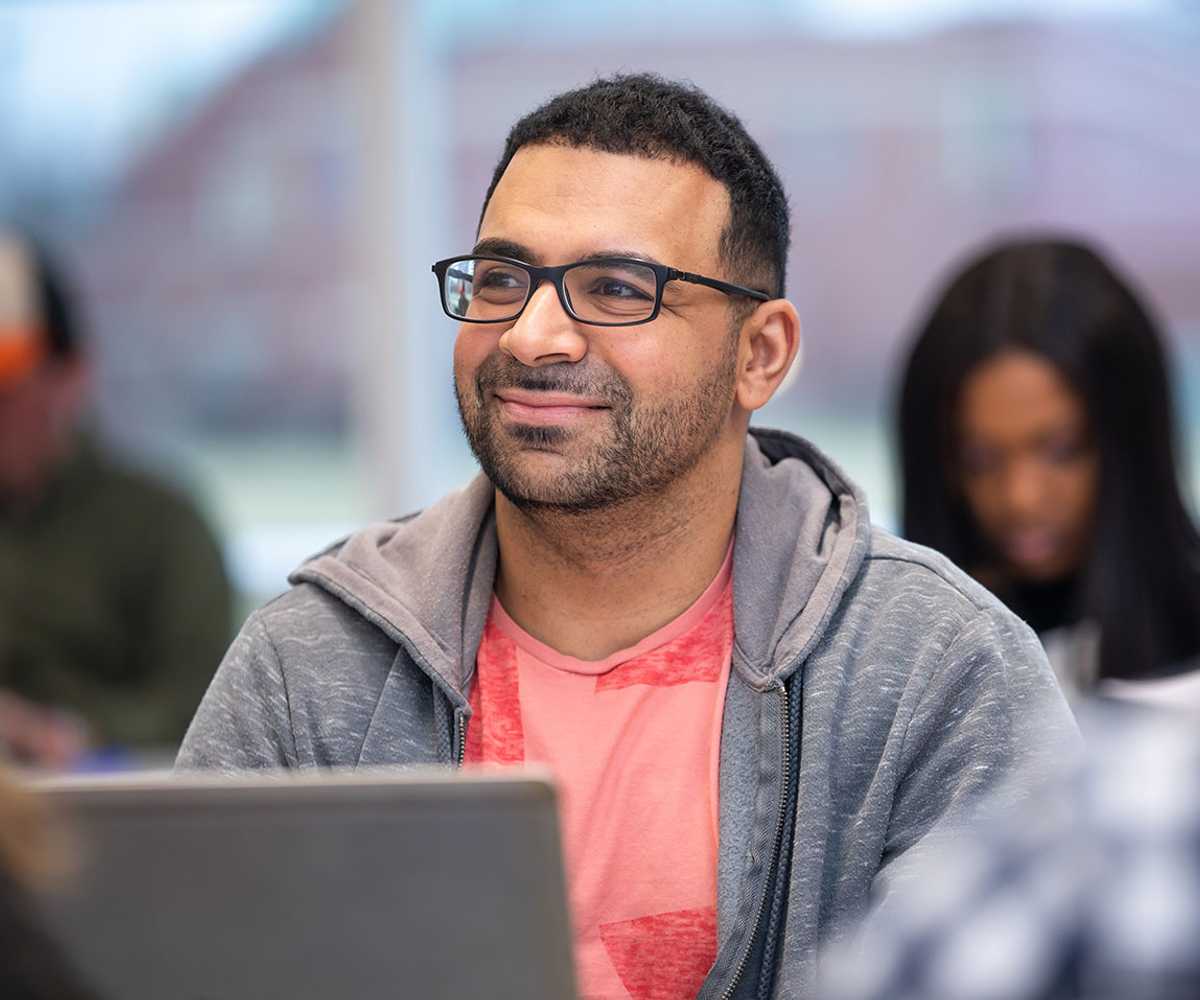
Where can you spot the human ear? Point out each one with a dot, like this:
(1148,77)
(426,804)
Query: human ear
(770,341)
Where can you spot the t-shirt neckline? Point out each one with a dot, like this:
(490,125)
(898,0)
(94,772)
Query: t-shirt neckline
(678,626)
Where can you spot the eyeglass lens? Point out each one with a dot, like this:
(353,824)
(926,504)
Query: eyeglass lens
(491,291)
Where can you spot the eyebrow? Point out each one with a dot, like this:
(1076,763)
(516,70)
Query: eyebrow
(497,247)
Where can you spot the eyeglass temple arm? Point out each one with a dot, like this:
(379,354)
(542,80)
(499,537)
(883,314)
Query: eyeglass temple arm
(722,286)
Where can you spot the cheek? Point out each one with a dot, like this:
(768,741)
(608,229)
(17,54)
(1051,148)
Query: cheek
(471,347)
(22,417)
(24,437)
(672,362)
(1078,494)
(985,501)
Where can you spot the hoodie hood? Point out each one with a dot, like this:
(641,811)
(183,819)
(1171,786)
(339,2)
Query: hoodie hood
(426,580)
(803,531)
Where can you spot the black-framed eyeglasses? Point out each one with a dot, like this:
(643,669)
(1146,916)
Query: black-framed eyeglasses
(610,291)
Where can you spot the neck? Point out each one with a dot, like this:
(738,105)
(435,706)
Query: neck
(588,584)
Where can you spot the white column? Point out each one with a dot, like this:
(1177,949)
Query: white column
(401,375)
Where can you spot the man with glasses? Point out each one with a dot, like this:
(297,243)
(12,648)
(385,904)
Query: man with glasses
(756,704)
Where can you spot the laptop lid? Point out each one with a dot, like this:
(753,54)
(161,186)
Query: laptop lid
(357,885)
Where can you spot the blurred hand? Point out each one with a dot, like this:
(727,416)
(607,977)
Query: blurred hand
(37,736)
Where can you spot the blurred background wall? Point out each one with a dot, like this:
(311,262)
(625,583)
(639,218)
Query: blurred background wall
(250,193)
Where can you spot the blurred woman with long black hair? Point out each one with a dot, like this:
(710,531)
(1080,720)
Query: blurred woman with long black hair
(1038,450)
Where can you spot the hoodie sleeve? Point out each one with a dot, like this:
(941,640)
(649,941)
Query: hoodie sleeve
(990,725)
(244,721)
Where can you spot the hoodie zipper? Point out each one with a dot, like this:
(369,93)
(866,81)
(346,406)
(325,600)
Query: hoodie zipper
(785,770)
(460,736)
(780,824)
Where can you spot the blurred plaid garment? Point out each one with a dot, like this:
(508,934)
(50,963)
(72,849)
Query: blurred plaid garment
(1090,890)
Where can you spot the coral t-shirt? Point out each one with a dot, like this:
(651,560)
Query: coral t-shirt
(634,742)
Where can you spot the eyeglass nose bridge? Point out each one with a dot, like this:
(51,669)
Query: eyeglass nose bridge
(554,274)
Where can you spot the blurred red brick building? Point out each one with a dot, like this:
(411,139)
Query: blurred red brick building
(221,279)
(227,266)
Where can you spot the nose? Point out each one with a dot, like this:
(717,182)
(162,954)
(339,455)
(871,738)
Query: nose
(544,334)
(1025,488)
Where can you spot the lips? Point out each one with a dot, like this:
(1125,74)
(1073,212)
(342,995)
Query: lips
(529,407)
(1032,546)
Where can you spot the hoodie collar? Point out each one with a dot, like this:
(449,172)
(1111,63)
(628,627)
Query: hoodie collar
(802,533)
(426,580)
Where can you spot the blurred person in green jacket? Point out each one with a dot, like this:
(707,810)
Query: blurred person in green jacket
(114,604)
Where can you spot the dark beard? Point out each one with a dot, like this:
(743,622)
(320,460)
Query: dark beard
(649,447)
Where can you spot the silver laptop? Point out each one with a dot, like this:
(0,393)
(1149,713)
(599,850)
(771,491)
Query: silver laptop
(362,885)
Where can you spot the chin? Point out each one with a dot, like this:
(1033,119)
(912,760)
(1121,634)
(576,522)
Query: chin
(544,483)
(550,500)
(1047,572)
(531,479)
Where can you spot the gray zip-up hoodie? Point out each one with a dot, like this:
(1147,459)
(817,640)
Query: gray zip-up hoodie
(877,694)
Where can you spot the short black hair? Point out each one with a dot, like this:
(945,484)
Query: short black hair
(1061,300)
(643,114)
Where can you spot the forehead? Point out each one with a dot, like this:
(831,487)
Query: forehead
(563,203)
(1019,393)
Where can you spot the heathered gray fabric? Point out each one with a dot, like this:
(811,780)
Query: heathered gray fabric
(920,692)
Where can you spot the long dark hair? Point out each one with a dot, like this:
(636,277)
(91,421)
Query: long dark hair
(1059,299)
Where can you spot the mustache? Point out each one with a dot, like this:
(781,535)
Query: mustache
(502,371)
